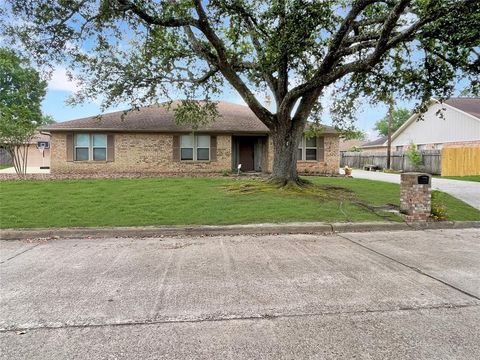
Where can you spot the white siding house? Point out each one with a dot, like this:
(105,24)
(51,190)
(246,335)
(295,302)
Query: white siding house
(458,124)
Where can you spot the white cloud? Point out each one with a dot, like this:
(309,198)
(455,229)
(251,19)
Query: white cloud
(59,80)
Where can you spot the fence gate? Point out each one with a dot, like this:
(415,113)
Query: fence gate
(461,161)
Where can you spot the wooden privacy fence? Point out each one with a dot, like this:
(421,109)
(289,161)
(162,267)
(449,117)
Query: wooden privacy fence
(432,161)
(461,161)
(5,158)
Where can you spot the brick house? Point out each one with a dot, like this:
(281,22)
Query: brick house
(149,141)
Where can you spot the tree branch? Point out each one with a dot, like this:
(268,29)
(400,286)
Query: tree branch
(154,20)
(226,68)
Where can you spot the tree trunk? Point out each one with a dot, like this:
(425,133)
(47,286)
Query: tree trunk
(286,138)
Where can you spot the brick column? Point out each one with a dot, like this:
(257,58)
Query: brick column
(415,196)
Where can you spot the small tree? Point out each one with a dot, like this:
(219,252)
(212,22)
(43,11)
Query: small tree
(21,92)
(414,156)
(398,118)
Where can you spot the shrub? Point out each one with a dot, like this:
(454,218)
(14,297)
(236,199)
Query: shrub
(414,156)
(439,210)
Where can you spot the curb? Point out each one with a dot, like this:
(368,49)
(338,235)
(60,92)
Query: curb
(250,229)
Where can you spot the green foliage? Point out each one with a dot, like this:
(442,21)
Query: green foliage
(21,94)
(140,51)
(399,118)
(352,134)
(355,149)
(414,156)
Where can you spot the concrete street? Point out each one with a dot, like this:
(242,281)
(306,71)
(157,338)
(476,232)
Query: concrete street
(467,191)
(379,295)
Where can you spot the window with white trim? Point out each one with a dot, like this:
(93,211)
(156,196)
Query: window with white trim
(307,149)
(421,147)
(90,147)
(195,148)
(399,148)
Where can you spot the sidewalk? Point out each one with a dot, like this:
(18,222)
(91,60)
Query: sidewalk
(30,170)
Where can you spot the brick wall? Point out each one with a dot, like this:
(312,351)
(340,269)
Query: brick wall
(138,152)
(152,153)
(332,159)
(328,167)
(415,199)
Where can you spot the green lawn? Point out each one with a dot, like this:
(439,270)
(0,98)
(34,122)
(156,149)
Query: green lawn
(5,166)
(475,178)
(181,201)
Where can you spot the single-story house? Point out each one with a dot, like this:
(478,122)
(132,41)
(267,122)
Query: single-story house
(378,145)
(459,124)
(39,151)
(351,145)
(149,140)
(38,148)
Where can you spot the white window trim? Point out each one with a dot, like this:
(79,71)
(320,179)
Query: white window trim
(303,146)
(195,147)
(90,147)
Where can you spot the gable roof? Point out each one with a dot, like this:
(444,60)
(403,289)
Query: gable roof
(468,105)
(346,145)
(233,118)
(376,143)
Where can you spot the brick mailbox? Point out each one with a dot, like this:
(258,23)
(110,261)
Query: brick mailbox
(416,196)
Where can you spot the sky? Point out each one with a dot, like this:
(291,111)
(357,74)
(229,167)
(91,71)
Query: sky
(60,88)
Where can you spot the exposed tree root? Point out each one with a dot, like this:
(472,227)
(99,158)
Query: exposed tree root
(288,183)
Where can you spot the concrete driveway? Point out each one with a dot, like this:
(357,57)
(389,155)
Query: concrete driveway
(382,295)
(30,170)
(467,191)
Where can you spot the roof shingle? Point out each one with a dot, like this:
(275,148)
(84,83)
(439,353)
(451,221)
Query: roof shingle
(469,105)
(233,118)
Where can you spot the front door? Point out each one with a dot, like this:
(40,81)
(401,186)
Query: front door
(246,154)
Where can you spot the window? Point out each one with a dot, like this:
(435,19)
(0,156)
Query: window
(399,148)
(196,148)
(90,147)
(421,147)
(311,149)
(99,147)
(308,149)
(438,146)
(82,147)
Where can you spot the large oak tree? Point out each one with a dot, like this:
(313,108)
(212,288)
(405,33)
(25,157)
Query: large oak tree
(142,51)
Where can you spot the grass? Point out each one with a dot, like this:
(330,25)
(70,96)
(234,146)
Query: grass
(182,201)
(475,178)
(5,166)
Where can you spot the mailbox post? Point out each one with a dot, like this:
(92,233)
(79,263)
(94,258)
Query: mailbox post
(416,196)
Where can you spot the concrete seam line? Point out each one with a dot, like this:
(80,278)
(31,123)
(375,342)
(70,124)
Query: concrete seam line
(412,268)
(20,253)
(239,318)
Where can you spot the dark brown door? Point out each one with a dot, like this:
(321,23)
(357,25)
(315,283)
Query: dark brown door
(246,157)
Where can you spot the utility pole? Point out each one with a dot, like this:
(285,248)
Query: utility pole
(391,106)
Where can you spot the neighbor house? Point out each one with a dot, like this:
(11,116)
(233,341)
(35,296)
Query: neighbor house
(148,140)
(38,148)
(455,122)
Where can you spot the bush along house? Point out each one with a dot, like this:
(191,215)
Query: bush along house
(149,141)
